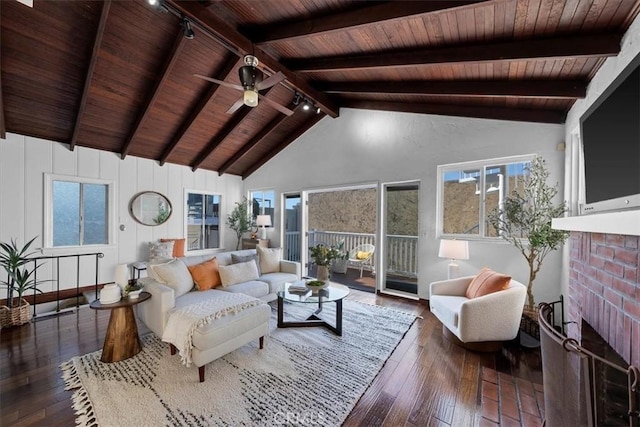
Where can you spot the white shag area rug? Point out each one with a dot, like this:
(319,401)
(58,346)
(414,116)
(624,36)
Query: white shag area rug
(303,376)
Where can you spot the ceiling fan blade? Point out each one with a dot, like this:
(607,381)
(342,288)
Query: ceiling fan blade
(219,82)
(239,103)
(273,104)
(271,81)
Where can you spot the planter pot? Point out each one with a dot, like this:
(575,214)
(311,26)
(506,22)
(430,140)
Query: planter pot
(15,316)
(322,272)
(339,266)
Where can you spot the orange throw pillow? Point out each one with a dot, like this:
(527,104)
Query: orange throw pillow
(206,275)
(487,282)
(178,246)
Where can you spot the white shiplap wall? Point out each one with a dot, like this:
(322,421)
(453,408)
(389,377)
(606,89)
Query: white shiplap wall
(24,161)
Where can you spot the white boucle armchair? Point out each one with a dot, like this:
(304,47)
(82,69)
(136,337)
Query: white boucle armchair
(480,323)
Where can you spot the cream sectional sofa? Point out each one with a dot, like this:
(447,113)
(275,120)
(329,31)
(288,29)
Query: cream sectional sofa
(229,332)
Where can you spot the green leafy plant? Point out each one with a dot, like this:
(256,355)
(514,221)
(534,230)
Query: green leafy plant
(20,278)
(163,215)
(239,220)
(322,254)
(524,220)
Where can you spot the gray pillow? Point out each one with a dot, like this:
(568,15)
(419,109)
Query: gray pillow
(237,259)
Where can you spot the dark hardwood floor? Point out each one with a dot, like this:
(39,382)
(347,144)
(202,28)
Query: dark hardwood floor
(426,381)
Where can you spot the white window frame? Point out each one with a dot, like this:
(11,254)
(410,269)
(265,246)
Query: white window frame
(221,221)
(480,165)
(250,198)
(48,209)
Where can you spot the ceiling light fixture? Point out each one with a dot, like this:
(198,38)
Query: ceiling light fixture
(187,31)
(306,106)
(318,110)
(297,98)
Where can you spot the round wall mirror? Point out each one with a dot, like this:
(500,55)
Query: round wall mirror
(150,208)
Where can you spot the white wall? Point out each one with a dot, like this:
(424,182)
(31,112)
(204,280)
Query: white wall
(373,146)
(24,161)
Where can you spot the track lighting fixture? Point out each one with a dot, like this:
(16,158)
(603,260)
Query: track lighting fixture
(318,110)
(157,5)
(306,106)
(187,31)
(297,98)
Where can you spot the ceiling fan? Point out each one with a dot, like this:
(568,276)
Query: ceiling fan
(251,82)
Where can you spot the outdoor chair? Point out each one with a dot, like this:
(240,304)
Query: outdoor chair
(361,255)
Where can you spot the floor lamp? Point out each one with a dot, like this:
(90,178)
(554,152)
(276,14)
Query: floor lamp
(454,250)
(263,221)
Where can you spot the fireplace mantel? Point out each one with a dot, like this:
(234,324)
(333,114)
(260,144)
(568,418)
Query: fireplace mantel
(624,222)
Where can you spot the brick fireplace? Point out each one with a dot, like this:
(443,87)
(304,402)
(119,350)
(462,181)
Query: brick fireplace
(604,290)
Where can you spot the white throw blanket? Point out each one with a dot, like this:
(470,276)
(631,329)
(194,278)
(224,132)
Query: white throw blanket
(184,321)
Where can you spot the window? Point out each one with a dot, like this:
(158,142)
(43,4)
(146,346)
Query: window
(467,192)
(203,220)
(79,211)
(262,203)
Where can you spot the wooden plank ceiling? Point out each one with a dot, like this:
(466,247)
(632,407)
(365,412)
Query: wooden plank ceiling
(119,75)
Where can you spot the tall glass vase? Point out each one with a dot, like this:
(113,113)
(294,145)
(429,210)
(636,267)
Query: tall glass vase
(322,273)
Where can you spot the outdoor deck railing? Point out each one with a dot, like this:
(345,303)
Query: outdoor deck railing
(401,250)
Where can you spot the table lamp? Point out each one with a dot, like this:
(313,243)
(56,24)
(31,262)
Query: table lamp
(454,250)
(263,221)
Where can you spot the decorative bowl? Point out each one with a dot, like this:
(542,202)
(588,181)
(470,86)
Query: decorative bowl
(316,285)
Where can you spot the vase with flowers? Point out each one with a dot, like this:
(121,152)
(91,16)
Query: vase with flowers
(322,255)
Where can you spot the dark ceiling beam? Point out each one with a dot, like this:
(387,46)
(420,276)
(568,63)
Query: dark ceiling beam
(97,42)
(223,133)
(257,138)
(564,89)
(295,134)
(548,48)
(203,103)
(497,113)
(231,39)
(379,12)
(163,76)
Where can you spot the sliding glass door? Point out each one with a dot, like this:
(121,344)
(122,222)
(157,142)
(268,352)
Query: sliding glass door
(400,233)
(292,226)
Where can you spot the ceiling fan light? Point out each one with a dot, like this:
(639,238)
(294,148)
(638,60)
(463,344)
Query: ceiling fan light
(250,98)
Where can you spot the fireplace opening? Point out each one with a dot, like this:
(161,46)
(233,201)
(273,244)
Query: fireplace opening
(612,401)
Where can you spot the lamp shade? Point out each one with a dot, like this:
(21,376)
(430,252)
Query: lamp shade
(454,249)
(263,221)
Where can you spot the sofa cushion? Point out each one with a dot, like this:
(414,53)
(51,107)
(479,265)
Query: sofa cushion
(160,251)
(175,275)
(487,282)
(239,259)
(178,246)
(447,308)
(206,275)
(238,273)
(253,288)
(277,280)
(226,328)
(269,259)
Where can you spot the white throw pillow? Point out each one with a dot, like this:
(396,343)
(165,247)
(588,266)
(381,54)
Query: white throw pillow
(269,259)
(160,251)
(175,275)
(238,273)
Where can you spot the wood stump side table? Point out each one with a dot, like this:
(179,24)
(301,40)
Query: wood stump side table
(121,341)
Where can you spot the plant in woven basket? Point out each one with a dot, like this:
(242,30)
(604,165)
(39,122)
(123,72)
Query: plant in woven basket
(524,220)
(20,278)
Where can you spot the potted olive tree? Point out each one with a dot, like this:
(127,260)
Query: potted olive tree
(20,279)
(524,220)
(239,220)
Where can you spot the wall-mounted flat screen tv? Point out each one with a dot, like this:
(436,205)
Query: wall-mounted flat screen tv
(610,134)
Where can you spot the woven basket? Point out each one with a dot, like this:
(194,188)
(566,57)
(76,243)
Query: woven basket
(529,322)
(15,316)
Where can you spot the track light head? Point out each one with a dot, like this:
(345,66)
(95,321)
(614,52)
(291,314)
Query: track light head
(297,98)
(306,106)
(157,5)
(187,31)
(318,110)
